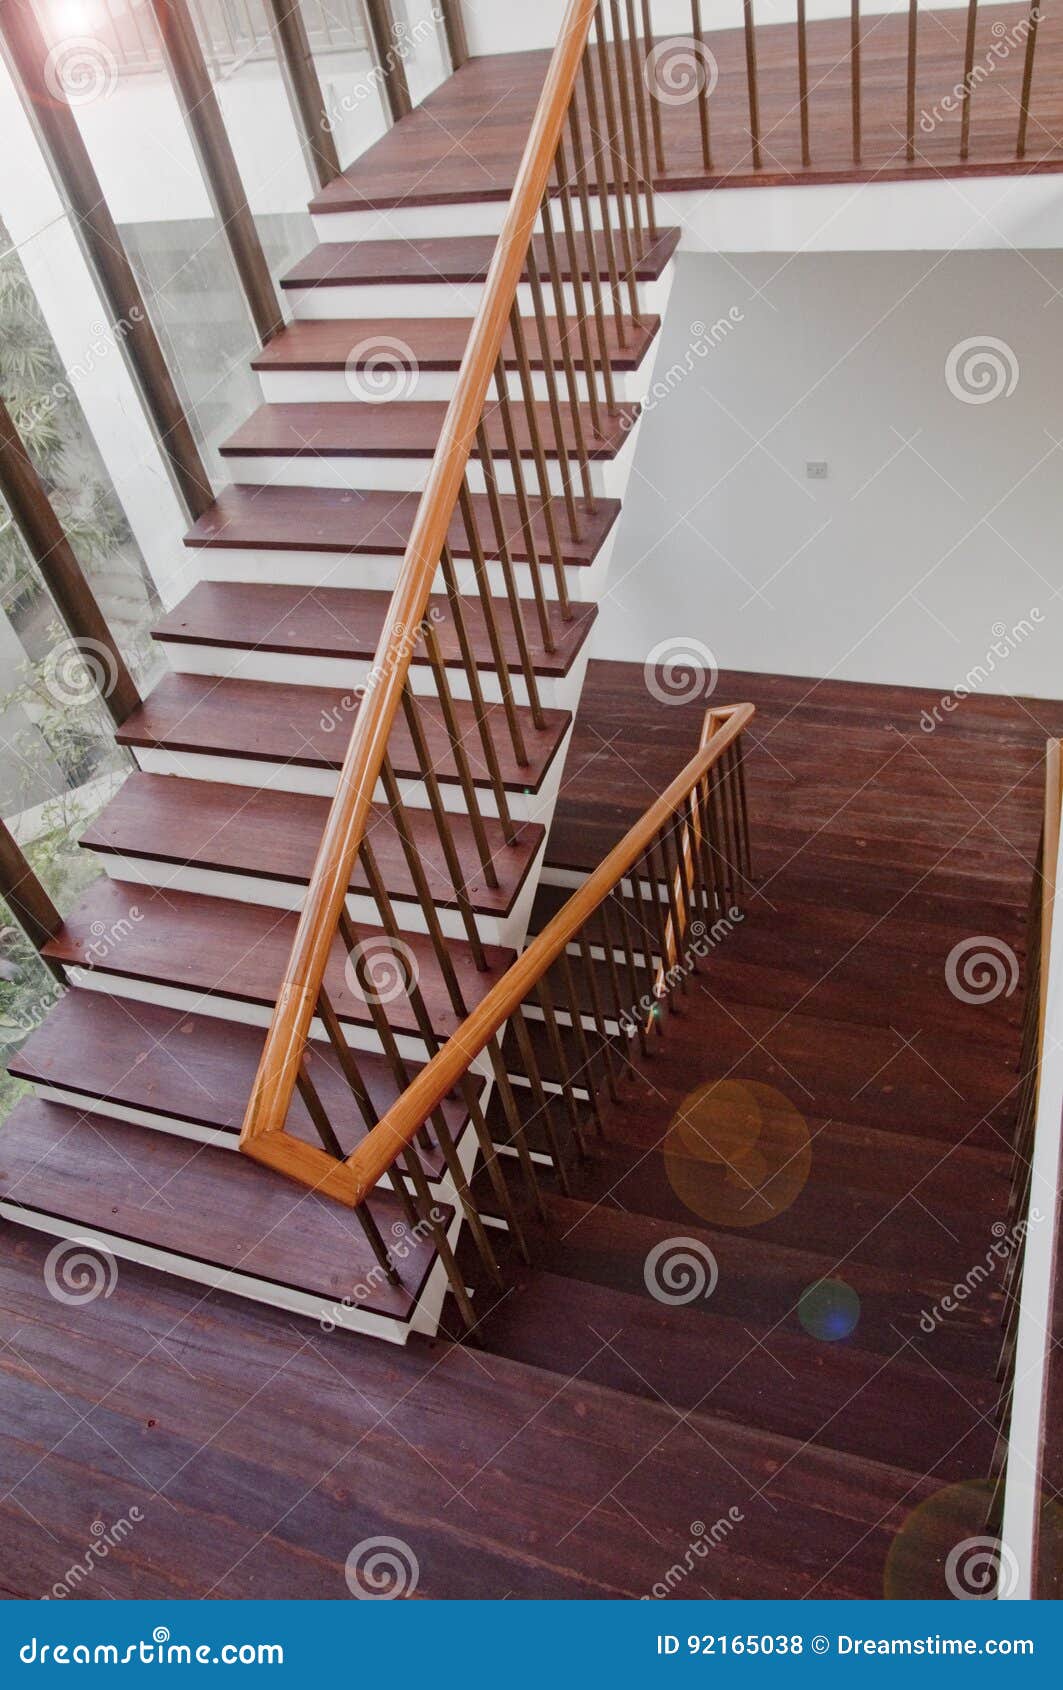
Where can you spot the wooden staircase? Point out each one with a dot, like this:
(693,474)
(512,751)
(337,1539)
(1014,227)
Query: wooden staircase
(176,956)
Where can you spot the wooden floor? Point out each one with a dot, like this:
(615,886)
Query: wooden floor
(485,110)
(597,1435)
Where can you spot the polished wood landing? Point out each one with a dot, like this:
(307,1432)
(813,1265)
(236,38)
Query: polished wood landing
(580,1447)
(486,108)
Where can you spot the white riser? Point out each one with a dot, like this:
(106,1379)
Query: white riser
(408,475)
(219,1139)
(171,876)
(379,572)
(471,217)
(446,299)
(555,693)
(291,777)
(244,1284)
(305,387)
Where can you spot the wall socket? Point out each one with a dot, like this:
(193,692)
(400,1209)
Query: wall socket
(816,471)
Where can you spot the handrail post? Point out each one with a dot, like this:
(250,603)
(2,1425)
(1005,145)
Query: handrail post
(27,899)
(202,113)
(65,150)
(304,88)
(454,27)
(46,540)
(389,60)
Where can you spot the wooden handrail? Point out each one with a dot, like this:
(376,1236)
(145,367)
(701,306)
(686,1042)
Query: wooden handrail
(1049,855)
(348,817)
(378,1150)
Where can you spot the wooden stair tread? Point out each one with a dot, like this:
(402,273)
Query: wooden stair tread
(330,519)
(408,428)
(241,951)
(274,835)
(458,259)
(198,1202)
(309,727)
(192,1067)
(436,343)
(345,622)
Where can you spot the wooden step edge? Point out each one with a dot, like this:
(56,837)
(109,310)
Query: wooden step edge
(390,261)
(368,336)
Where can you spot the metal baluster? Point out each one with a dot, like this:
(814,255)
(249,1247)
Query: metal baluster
(609,139)
(515,1123)
(629,966)
(483,587)
(538,1091)
(591,981)
(446,839)
(430,1038)
(476,694)
(553,1034)
(593,275)
(703,91)
(576,1018)
(751,78)
(639,97)
(1033,19)
(802,80)
(615,57)
(655,114)
(316,1110)
(564,458)
(913,57)
(575,400)
(535,569)
(607,233)
(854,63)
(513,599)
(969,59)
(539,457)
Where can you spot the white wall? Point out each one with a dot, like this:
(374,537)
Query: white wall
(901,566)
